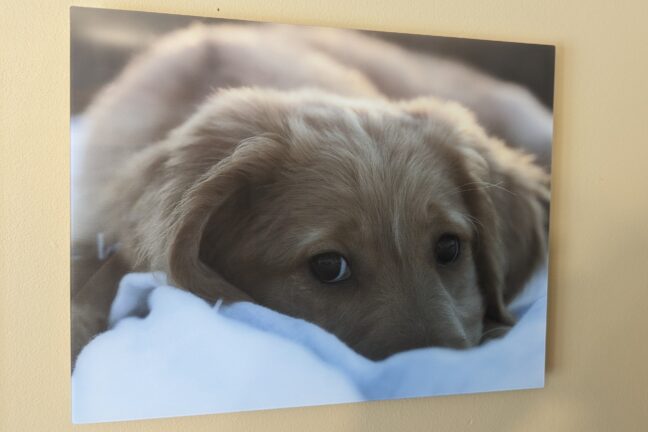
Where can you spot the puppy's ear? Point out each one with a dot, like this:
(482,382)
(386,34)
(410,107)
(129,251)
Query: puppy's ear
(509,197)
(233,142)
(253,162)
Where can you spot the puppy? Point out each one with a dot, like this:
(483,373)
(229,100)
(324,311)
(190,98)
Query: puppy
(393,225)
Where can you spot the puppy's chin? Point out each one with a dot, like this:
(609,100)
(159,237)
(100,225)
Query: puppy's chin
(381,350)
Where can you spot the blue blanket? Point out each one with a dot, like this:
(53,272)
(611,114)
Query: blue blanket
(169,353)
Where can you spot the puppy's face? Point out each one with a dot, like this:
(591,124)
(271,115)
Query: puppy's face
(373,220)
(367,237)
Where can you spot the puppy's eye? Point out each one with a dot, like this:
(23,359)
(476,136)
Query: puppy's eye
(330,267)
(447,249)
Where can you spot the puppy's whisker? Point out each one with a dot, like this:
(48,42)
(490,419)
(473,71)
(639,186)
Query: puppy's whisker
(476,223)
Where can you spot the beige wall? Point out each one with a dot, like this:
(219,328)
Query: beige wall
(597,375)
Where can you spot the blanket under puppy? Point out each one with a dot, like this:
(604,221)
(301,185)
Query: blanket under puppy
(169,353)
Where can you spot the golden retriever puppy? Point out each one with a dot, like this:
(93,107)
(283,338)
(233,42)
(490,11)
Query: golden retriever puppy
(392,224)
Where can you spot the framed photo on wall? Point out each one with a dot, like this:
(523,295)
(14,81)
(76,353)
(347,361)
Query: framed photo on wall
(268,215)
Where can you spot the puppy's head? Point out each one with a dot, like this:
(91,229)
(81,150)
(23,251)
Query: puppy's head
(392,225)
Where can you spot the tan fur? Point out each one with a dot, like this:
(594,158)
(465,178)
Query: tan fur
(231,193)
(506,110)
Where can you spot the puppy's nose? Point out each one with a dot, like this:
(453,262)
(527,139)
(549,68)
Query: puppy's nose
(439,328)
